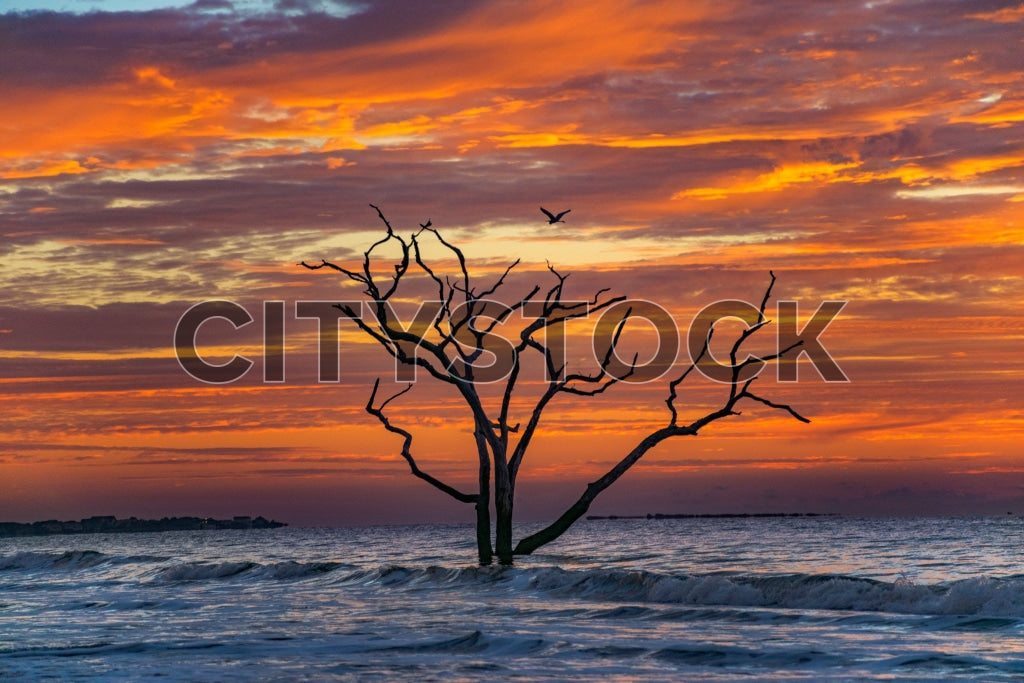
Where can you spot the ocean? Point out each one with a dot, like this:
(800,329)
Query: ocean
(710,599)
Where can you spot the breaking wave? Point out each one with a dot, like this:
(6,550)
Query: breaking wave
(70,560)
(999,597)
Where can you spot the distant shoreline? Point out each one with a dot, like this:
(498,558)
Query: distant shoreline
(714,515)
(113,525)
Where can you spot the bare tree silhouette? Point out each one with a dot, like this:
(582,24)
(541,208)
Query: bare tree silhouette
(450,344)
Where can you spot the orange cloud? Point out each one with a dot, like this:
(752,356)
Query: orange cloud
(778,179)
(44,169)
(1006,15)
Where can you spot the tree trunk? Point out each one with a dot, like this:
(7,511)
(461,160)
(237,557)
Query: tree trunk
(483,530)
(503,511)
(483,503)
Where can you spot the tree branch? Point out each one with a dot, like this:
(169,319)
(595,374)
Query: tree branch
(671,400)
(745,393)
(399,269)
(736,393)
(327,264)
(451,247)
(378,412)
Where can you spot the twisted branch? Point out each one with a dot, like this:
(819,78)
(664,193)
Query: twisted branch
(378,412)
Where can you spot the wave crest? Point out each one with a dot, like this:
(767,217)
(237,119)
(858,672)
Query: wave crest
(983,596)
(1001,597)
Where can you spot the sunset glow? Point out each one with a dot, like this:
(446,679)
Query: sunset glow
(157,158)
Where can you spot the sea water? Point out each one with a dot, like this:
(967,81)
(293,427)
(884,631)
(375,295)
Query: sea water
(793,598)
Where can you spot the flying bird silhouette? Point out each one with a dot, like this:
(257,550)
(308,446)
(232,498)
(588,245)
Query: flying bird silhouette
(552,218)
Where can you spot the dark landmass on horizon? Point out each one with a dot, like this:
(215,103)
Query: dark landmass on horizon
(714,515)
(113,525)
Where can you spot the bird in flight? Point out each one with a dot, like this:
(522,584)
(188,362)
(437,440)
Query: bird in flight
(552,218)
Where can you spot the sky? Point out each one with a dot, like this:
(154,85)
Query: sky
(155,155)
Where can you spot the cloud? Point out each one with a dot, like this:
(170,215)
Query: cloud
(150,160)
